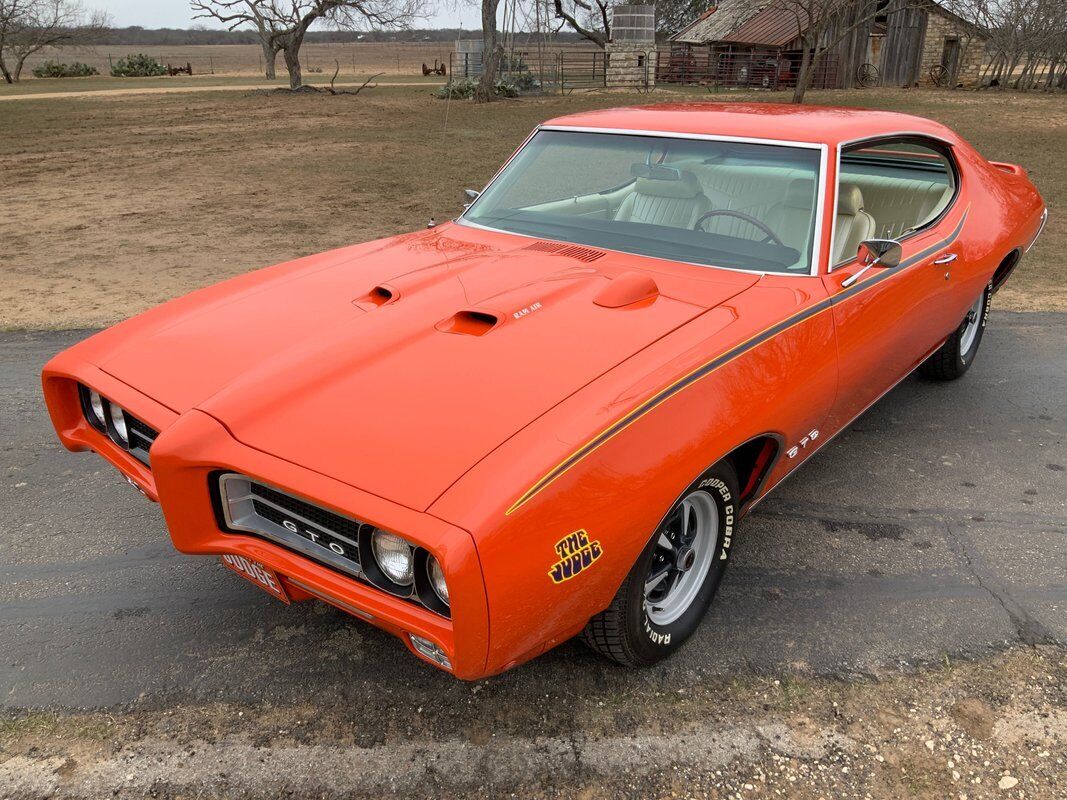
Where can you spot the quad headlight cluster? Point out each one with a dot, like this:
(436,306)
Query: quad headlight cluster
(403,568)
(116,423)
(397,558)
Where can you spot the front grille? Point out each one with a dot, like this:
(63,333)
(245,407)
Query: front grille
(324,519)
(141,437)
(319,534)
(245,505)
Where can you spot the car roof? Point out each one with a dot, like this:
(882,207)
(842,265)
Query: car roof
(775,121)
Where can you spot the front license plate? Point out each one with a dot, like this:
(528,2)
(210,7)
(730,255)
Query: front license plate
(262,576)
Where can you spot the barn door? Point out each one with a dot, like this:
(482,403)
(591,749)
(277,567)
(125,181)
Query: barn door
(950,57)
(902,49)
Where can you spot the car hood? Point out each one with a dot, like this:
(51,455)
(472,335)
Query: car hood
(395,367)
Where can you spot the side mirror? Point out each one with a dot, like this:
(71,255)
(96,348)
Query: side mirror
(469,195)
(875,253)
(883,252)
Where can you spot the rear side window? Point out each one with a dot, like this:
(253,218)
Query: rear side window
(904,185)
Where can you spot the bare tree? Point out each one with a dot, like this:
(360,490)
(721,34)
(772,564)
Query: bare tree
(286,22)
(673,15)
(590,19)
(492,52)
(1026,38)
(28,26)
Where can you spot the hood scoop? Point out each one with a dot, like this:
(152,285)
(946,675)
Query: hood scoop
(470,322)
(586,254)
(380,295)
(626,290)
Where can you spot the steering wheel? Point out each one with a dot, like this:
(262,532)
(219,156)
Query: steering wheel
(725,212)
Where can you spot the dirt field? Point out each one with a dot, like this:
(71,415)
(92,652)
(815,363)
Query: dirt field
(114,204)
(988,730)
(394,58)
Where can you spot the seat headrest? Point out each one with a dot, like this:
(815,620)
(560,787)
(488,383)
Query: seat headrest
(849,199)
(685,186)
(800,194)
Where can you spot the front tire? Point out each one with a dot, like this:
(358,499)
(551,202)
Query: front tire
(669,589)
(957,354)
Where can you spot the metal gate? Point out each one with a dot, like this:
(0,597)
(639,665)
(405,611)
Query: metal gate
(582,69)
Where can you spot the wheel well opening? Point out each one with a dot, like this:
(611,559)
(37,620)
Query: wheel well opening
(1007,266)
(751,461)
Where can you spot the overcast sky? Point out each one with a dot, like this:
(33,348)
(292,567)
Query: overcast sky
(176,14)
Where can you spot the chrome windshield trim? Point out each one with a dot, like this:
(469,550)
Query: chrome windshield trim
(817,244)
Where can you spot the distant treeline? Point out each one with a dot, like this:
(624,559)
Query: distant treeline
(178,36)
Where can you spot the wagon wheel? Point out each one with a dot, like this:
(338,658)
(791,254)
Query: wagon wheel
(938,75)
(867,76)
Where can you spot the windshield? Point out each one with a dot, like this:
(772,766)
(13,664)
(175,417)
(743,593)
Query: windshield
(714,203)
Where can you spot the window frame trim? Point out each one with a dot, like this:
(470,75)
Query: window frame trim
(817,245)
(941,145)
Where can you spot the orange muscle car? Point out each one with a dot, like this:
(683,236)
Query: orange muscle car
(547,417)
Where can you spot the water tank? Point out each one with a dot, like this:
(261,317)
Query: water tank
(633,23)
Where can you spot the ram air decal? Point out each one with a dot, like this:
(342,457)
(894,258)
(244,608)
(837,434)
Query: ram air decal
(576,553)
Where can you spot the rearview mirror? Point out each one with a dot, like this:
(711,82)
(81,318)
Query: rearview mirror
(883,252)
(469,195)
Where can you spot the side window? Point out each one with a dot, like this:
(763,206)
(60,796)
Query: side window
(890,189)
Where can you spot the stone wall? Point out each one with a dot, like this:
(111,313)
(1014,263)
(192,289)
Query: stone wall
(972,48)
(631,65)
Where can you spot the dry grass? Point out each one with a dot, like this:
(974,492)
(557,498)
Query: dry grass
(357,58)
(113,204)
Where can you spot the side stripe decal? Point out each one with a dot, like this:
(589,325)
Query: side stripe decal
(706,369)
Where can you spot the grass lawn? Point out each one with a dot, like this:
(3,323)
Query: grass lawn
(113,204)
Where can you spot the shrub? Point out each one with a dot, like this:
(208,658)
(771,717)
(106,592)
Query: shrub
(137,66)
(463,89)
(54,69)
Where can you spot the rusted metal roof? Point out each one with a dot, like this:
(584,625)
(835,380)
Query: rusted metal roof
(771,26)
(743,22)
(727,17)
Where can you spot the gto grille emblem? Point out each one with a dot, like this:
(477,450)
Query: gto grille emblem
(315,538)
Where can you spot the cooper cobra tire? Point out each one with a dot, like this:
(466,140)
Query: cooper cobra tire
(685,558)
(957,354)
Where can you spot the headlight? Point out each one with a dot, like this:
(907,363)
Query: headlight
(437,578)
(96,406)
(395,557)
(119,423)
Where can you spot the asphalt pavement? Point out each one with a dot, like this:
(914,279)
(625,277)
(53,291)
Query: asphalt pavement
(935,527)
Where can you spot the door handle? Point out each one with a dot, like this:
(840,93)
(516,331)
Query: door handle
(947,258)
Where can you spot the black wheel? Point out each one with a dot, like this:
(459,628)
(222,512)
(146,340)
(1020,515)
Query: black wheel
(957,354)
(938,75)
(867,76)
(669,589)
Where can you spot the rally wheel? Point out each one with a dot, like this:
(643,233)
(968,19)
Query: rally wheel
(669,589)
(957,354)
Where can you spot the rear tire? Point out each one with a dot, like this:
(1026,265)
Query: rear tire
(957,354)
(684,562)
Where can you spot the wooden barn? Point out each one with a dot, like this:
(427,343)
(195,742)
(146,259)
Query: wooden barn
(754,43)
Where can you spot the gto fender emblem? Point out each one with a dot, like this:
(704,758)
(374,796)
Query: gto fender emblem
(802,445)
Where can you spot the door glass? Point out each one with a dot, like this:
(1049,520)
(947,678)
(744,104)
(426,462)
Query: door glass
(894,188)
